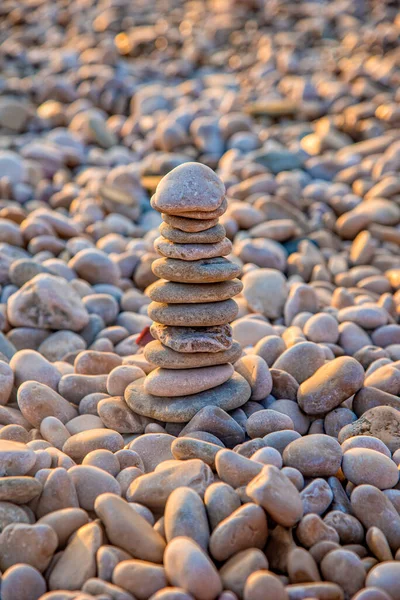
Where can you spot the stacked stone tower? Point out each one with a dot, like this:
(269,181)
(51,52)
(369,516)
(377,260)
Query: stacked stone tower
(191,304)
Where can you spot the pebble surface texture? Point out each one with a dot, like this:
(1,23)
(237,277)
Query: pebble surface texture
(199,300)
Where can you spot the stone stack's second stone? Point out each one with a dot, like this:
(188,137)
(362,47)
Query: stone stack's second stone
(192,304)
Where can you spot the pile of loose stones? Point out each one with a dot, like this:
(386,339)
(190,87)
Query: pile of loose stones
(199,300)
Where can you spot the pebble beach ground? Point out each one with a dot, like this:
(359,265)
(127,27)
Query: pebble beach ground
(199,300)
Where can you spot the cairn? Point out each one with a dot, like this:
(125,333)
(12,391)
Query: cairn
(192,304)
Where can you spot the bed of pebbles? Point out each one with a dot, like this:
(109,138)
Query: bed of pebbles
(199,300)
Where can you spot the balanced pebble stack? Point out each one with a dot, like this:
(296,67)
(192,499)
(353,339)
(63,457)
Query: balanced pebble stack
(192,304)
(295,495)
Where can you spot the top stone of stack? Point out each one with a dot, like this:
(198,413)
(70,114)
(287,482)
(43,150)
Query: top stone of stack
(189,188)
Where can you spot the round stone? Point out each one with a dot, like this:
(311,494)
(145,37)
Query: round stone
(47,302)
(189,187)
(186,315)
(162,356)
(15,458)
(386,576)
(207,236)
(209,270)
(173,293)
(366,466)
(316,455)
(192,251)
(230,395)
(95,266)
(22,582)
(12,166)
(189,339)
(172,383)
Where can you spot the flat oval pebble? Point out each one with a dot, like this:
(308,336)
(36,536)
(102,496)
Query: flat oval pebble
(366,441)
(363,465)
(316,455)
(211,270)
(173,293)
(166,382)
(80,444)
(207,314)
(228,396)
(266,421)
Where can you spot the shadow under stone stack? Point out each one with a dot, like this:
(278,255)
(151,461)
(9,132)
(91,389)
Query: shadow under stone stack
(191,304)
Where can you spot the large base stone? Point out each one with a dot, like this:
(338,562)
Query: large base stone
(228,396)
